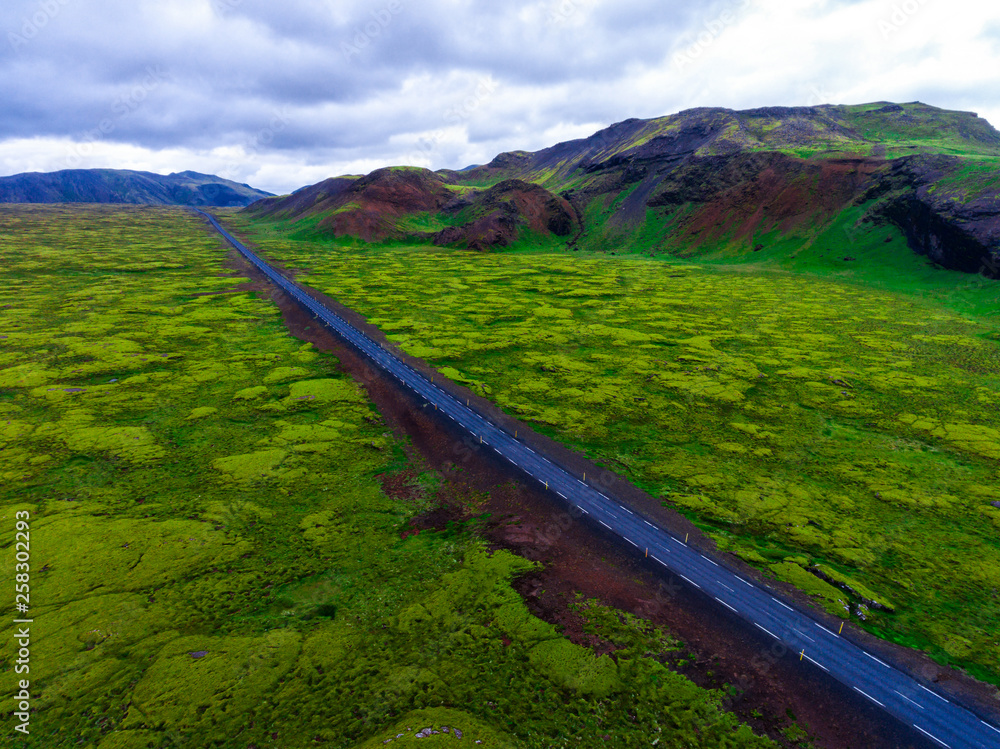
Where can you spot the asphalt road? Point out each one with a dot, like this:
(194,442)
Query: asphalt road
(943,722)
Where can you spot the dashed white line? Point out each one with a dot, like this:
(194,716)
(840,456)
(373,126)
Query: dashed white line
(628,511)
(725,586)
(691,581)
(658,560)
(876,659)
(649,524)
(631,542)
(561,495)
(824,629)
(934,693)
(908,699)
(743,581)
(990,726)
(803,634)
(868,696)
(725,604)
(708,560)
(758,626)
(584,511)
(817,663)
(781,604)
(927,733)
(604,524)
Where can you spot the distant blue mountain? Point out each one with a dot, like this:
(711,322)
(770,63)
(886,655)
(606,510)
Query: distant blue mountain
(124,186)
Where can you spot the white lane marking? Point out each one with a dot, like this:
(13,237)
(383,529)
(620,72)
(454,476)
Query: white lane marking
(649,524)
(803,634)
(604,524)
(908,699)
(742,580)
(613,515)
(691,581)
(817,663)
(990,726)
(708,560)
(631,542)
(628,511)
(726,604)
(725,586)
(584,511)
(868,696)
(934,693)
(781,604)
(931,735)
(876,659)
(661,562)
(561,495)
(766,630)
(824,629)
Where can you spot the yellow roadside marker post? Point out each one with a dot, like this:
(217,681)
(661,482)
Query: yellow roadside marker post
(647,553)
(584,476)
(546,485)
(802,654)
(841,628)
(686,537)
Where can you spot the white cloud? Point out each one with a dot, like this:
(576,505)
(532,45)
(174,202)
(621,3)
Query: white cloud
(266,93)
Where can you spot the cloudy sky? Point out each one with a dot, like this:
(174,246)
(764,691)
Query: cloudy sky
(283,94)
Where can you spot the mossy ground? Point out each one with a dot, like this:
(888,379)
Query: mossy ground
(802,410)
(214,562)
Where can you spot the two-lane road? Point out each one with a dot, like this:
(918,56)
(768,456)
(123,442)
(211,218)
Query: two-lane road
(940,720)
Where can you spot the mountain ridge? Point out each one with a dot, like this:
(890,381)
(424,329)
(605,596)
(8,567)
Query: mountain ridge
(721,183)
(125,186)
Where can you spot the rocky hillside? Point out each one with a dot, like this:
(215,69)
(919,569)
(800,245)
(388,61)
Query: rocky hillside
(123,186)
(705,182)
(420,205)
(721,182)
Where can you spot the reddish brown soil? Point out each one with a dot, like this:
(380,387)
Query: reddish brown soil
(577,557)
(756,193)
(369,208)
